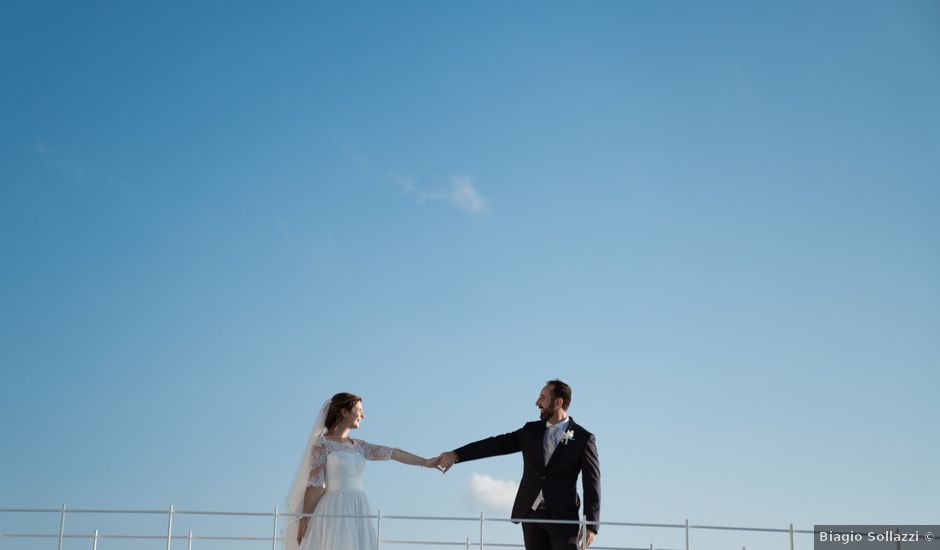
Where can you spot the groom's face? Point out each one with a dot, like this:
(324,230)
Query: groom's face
(546,403)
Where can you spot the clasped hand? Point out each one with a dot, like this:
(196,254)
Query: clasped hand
(441,462)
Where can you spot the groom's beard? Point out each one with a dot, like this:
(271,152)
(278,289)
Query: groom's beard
(545,414)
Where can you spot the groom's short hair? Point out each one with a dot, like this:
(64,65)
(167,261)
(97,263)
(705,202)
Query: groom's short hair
(562,390)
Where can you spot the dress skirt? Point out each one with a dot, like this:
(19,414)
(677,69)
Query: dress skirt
(325,532)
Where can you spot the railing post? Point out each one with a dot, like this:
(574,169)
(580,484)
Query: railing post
(189,541)
(378,531)
(481,530)
(94,545)
(584,533)
(62,527)
(468,543)
(687,534)
(791,536)
(274,534)
(169,529)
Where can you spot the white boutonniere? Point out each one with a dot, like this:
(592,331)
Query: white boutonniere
(567,436)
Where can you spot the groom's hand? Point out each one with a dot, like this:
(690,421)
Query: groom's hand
(445,461)
(590,538)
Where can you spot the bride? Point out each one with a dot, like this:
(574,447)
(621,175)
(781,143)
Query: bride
(328,482)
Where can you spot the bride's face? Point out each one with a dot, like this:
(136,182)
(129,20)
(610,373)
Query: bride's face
(354,416)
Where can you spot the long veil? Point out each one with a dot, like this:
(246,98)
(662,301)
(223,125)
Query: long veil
(294,503)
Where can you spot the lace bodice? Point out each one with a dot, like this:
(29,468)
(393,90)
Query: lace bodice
(342,461)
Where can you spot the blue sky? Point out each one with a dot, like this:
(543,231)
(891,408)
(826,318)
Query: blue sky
(718,221)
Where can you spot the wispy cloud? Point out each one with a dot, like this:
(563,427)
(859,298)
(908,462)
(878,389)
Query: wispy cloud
(493,495)
(461,192)
(41,148)
(464,195)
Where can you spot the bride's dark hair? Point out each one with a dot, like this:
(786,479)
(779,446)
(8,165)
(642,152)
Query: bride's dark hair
(339,403)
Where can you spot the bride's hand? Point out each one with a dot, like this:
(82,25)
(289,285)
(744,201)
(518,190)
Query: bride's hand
(301,528)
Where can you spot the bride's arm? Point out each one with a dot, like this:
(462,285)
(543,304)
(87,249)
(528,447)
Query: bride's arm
(405,457)
(311,498)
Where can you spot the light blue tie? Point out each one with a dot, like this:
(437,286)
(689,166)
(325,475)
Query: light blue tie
(551,441)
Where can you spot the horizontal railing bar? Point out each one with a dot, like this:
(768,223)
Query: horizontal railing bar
(437,518)
(133,537)
(100,536)
(207,537)
(430,542)
(536,520)
(631,524)
(593,547)
(517,545)
(85,511)
(472,543)
(722,528)
(475,520)
(204,513)
(156,512)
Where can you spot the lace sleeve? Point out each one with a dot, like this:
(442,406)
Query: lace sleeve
(375,452)
(317,465)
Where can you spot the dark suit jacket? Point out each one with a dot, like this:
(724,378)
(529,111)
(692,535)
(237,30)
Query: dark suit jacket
(558,479)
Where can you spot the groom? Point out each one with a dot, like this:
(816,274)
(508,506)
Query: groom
(554,451)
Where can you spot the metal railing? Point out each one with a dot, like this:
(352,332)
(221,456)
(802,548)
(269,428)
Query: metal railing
(276,517)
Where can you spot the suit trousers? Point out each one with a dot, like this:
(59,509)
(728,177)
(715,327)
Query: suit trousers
(547,536)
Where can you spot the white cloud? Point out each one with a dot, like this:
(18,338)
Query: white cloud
(493,495)
(461,193)
(41,147)
(464,195)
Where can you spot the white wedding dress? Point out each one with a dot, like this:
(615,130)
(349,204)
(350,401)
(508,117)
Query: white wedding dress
(339,466)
